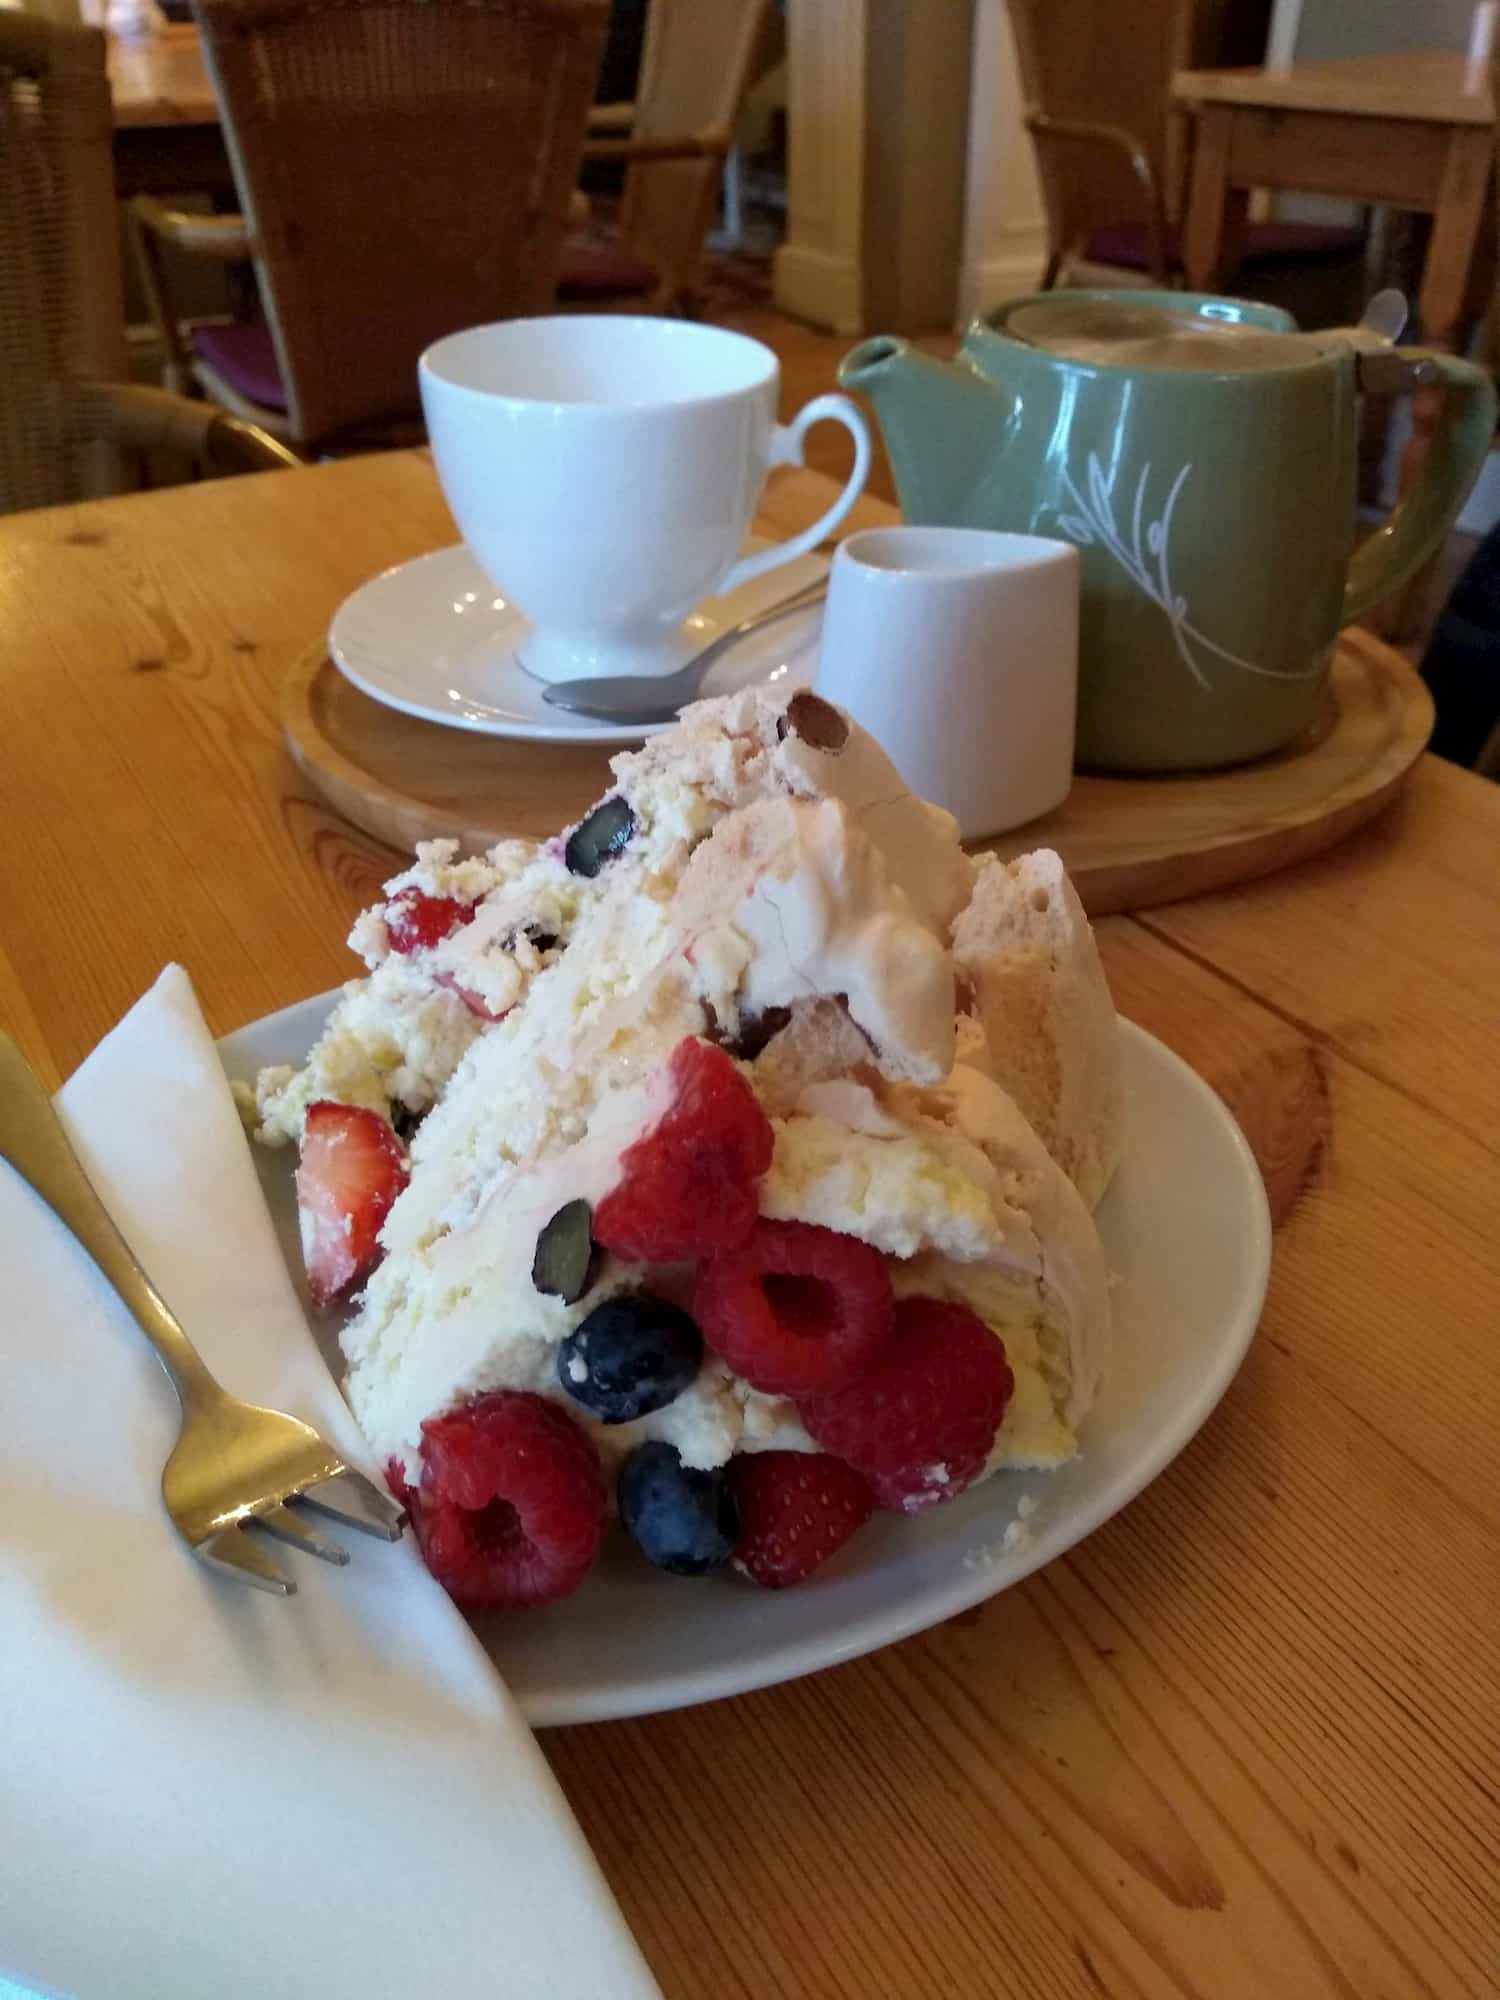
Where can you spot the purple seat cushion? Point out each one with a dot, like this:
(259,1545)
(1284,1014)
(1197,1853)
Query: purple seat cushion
(593,269)
(1124,243)
(244,356)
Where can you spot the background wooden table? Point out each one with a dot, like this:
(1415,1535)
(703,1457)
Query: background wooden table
(167,134)
(1402,129)
(1242,1742)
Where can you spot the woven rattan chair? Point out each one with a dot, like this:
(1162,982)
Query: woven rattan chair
(698,60)
(404,168)
(1112,161)
(67,431)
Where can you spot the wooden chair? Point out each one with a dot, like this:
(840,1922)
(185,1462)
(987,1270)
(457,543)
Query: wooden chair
(1404,616)
(698,60)
(67,430)
(1112,156)
(404,168)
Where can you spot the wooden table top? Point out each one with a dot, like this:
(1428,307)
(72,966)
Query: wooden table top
(1241,1742)
(1430,86)
(163,81)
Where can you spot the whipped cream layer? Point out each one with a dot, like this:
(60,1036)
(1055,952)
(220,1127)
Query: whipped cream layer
(950,1182)
(397,1036)
(792,900)
(780,892)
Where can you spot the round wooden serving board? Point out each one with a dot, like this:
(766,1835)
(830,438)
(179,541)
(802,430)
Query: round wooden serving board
(1129,843)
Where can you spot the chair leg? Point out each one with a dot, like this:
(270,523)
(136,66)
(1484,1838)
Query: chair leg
(176,365)
(734,198)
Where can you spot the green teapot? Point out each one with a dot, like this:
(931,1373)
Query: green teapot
(1206,473)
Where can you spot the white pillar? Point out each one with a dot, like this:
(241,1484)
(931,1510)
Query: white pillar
(855,169)
(819,268)
(1005,234)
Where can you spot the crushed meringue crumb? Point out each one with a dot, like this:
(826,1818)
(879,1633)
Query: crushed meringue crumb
(1017,1539)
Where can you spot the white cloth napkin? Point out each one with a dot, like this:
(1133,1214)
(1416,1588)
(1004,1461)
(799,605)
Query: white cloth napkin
(206,1790)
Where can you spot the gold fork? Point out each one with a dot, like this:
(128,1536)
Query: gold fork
(236,1471)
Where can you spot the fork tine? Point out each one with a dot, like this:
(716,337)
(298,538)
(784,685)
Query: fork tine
(287,1527)
(233,1554)
(371,1511)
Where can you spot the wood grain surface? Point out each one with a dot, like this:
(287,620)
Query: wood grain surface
(1242,1742)
(1130,843)
(163,81)
(1423,86)
(1414,129)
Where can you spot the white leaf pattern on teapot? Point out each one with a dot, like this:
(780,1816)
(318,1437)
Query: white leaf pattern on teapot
(1094,521)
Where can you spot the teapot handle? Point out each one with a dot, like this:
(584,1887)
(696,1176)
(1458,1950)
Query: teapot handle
(1425,513)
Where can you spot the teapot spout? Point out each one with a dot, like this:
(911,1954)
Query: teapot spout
(942,422)
(873,361)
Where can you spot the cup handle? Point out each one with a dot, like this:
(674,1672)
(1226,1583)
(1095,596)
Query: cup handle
(786,449)
(1424,514)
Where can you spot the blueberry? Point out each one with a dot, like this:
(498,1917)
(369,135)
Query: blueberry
(566,1261)
(599,838)
(680,1519)
(631,1355)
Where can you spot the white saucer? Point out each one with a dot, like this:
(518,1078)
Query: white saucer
(433,638)
(1188,1236)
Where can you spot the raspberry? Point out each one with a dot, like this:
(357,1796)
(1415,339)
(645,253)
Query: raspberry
(414,920)
(796,1309)
(688,1186)
(395,1478)
(511,1506)
(920,1424)
(797,1508)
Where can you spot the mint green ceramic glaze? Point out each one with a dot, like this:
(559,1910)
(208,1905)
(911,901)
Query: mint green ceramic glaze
(1214,513)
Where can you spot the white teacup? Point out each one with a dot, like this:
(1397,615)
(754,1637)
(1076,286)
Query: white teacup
(958,650)
(604,470)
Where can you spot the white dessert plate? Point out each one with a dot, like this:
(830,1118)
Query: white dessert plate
(435,639)
(1188,1235)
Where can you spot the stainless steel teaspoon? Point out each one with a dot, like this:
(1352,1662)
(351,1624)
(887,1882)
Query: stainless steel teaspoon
(630,698)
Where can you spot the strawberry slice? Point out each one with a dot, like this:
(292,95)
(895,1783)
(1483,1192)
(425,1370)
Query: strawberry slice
(351,1169)
(415,921)
(478,1007)
(796,1510)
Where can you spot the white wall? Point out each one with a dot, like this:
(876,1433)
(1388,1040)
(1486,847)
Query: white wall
(1376,27)
(1005,237)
